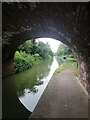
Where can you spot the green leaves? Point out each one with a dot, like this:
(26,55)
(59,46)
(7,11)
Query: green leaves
(44,50)
(30,53)
(64,50)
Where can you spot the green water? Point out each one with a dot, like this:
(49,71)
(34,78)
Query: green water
(22,91)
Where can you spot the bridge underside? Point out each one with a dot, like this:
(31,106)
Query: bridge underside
(66,22)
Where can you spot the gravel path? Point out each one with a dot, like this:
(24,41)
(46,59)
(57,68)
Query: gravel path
(62,98)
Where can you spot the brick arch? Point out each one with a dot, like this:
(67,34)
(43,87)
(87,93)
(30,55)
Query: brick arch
(66,22)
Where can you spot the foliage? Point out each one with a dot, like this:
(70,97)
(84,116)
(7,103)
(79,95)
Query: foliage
(66,64)
(30,53)
(75,68)
(44,50)
(64,50)
(29,47)
(63,66)
(29,79)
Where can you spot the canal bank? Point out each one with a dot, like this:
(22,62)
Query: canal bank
(62,98)
(22,91)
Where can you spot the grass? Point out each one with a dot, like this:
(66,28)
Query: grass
(75,69)
(66,64)
(63,66)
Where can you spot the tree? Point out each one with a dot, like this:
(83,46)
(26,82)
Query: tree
(44,50)
(29,53)
(64,50)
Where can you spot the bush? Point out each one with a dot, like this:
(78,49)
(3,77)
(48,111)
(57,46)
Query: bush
(30,53)
(23,61)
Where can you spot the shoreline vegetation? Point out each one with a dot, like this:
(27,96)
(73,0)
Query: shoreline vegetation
(33,52)
(70,59)
(30,53)
(66,64)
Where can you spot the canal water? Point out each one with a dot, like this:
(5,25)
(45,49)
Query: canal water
(22,91)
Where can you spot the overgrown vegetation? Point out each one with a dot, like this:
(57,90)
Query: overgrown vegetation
(75,68)
(30,53)
(64,50)
(64,66)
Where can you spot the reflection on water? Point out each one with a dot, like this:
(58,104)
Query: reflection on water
(35,84)
(59,60)
(29,79)
(26,87)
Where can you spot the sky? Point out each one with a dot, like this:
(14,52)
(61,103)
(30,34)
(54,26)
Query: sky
(54,44)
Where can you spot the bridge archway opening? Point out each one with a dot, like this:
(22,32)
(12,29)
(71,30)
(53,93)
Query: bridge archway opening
(66,22)
(63,22)
(21,98)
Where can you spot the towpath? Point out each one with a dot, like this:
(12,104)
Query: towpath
(62,98)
